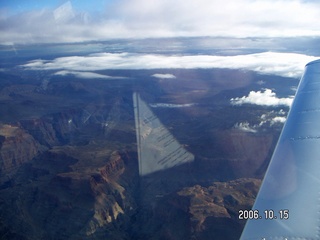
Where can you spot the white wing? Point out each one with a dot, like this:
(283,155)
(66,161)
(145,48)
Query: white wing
(288,203)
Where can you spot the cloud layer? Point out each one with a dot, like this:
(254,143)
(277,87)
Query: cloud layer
(266,98)
(162,18)
(89,75)
(281,64)
(171,105)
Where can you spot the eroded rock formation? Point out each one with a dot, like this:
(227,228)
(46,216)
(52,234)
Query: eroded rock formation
(17,147)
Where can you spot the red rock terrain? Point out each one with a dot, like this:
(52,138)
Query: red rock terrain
(16,148)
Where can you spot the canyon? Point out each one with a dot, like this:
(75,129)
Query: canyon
(69,166)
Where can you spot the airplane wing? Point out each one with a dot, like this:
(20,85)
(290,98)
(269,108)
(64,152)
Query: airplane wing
(288,203)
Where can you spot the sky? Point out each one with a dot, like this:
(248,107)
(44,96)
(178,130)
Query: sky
(61,21)
(32,21)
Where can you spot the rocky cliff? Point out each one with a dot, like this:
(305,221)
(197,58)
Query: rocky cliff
(199,212)
(16,148)
(50,201)
(217,206)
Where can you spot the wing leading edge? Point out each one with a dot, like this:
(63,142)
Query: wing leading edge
(288,204)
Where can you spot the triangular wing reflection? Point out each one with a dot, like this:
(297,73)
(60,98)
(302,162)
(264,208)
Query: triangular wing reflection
(158,149)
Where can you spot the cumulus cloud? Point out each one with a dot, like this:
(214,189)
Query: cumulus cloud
(272,118)
(266,98)
(164,76)
(245,126)
(164,18)
(278,120)
(89,75)
(282,64)
(264,122)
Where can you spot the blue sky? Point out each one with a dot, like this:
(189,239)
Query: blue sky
(18,6)
(32,21)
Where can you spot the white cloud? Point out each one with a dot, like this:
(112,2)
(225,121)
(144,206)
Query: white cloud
(294,88)
(89,75)
(272,118)
(282,64)
(164,18)
(266,98)
(261,82)
(245,126)
(267,120)
(164,76)
(278,120)
(171,105)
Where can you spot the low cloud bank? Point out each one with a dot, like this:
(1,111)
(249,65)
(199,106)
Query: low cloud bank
(170,105)
(272,63)
(266,98)
(89,75)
